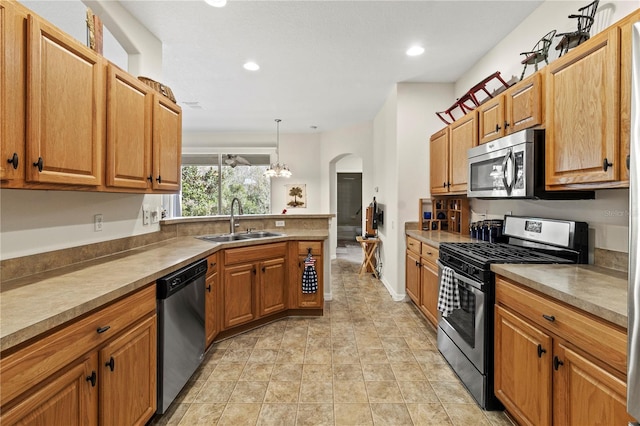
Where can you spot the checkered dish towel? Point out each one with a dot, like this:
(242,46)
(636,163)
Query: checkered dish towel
(309,275)
(448,298)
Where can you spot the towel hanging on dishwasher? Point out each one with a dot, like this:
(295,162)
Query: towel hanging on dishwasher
(309,275)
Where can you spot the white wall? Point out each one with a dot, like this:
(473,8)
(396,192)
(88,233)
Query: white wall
(39,221)
(349,164)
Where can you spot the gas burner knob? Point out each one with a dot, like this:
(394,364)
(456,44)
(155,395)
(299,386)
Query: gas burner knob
(472,270)
(465,268)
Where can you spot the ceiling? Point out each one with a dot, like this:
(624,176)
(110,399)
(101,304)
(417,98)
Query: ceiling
(327,64)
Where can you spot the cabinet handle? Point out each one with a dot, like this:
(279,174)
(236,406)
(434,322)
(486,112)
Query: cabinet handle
(417,263)
(557,363)
(254,271)
(212,264)
(209,288)
(606,164)
(39,164)
(103,329)
(506,124)
(150,178)
(111,364)
(550,318)
(264,269)
(92,378)
(13,160)
(541,351)
(448,184)
(159,179)
(628,161)
(497,127)
(444,184)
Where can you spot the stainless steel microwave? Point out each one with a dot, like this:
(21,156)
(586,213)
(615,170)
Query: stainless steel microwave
(513,167)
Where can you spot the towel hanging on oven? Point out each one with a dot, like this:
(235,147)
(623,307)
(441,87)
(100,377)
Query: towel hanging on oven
(309,275)
(448,296)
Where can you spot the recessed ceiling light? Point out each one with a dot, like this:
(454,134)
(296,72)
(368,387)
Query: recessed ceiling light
(251,66)
(216,3)
(415,51)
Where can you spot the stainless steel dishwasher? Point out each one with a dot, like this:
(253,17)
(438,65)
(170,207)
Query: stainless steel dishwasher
(181,334)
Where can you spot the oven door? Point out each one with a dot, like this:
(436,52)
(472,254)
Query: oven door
(466,327)
(502,173)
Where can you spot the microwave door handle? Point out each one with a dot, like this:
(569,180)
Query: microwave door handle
(505,162)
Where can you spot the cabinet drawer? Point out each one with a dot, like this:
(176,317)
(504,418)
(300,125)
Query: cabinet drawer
(429,253)
(254,253)
(212,264)
(315,246)
(594,336)
(413,245)
(25,368)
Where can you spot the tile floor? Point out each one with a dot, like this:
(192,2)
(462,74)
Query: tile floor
(368,361)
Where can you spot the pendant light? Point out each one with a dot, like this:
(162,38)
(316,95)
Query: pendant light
(277,169)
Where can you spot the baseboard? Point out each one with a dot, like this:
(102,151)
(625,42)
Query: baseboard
(328,296)
(395,296)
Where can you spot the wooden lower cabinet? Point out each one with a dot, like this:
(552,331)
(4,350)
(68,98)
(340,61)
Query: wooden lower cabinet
(238,292)
(548,375)
(211,300)
(128,376)
(272,286)
(429,292)
(66,378)
(68,399)
(308,300)
(413,276)
(421,279)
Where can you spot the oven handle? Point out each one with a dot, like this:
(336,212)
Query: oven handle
(461,279)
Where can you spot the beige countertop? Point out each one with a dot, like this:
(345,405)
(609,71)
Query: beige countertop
(434,238)
(35,304)
(599,291)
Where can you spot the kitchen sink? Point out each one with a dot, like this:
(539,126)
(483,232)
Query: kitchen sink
(225,238)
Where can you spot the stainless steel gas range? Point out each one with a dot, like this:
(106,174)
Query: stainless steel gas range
(465,337)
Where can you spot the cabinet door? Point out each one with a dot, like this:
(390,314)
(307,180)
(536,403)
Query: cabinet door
(524,104)
(272,286)
(464,135)
(128,376)
(211,313)
(582,119)
(586,394)
(522,369)
(65,106)
(129,109)
(310,300)
(413,277)
(70,399)
(238,289)
(13,23)
(491,119)
(429,292)
(439,162)
(167,144)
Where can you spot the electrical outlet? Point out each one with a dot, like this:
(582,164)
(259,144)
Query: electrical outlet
(155,216)
(97,222)
(279,223)
(146,216)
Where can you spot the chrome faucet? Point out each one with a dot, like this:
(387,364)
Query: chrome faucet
(232,220)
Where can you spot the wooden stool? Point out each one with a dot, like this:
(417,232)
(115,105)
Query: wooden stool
(369,246)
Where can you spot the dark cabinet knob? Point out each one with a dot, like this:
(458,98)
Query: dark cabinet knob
(13,160)
(103,329)
(264,269)
(541,351)
(255,271)
(506,124)
(159,179)
(549,317)
(444,184)
(606,164)
(498,128)
(209,288)
(39,164)
(150,178)
(557,363)
(92,378)
(111,364)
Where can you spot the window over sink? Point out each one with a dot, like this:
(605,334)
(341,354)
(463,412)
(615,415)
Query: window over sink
(210,182)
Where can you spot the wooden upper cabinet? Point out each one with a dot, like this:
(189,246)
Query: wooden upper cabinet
(65,106)
(519,107)
(167,144)
(463,136)
(491,119)
(129,112)
(13,65)
(582,118)
(439,161)
(524,104)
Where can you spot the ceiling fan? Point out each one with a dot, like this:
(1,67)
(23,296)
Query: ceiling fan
(233,160)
